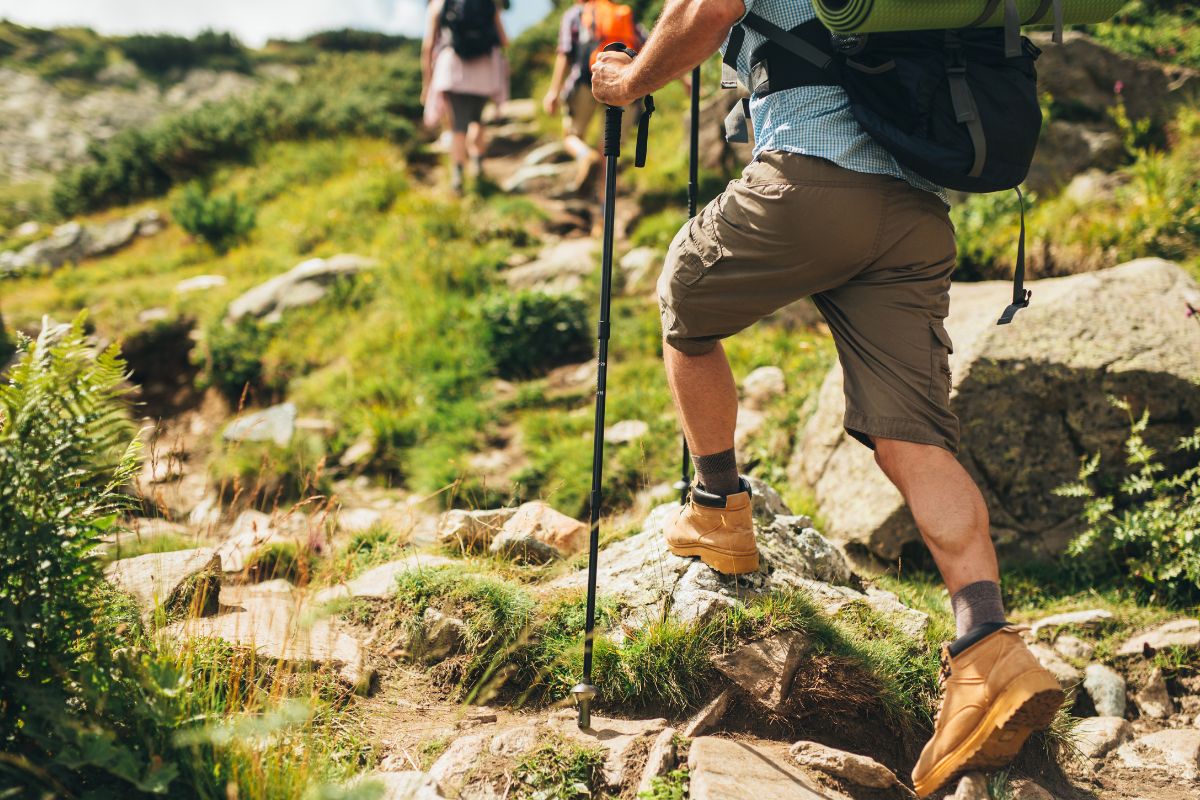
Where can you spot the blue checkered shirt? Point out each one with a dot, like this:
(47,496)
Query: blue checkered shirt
(813,120)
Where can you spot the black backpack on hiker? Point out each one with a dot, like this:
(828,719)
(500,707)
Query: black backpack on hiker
(471,25)
(957,107)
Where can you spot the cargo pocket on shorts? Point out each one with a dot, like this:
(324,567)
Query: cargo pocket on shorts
(699,248)
(939,377)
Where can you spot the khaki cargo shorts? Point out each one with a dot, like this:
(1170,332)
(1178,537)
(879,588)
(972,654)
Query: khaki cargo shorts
(875,255)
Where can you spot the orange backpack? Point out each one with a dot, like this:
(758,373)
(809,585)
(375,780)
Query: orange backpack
(602,23)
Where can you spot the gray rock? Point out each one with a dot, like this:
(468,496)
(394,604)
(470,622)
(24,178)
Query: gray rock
(660,760)
(1170,752)
(1037,389)
(1068,677)
(1177,633)
(404,785)
(66,243)
(617,737)
(1090,619)
(650,581)
(559,268)
(522,547)
(170,580)
(1106,687)
(766,504)
(1153,700)
(249,532)
(303,285)
(380,582)
(764,669)
(762,386)
(1096,736)
(1069,646)
(727,769)
(640,266)
(275,424)
(850,767)
(548,153)
(515,741)
(453,768)
(708,717)
(972,786)
(472,530)
(1025,789)
(200,283)
(626,431)
(825,561)
(271,624)
(539,178)
(440,636)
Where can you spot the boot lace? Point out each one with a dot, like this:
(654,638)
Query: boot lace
(943,676)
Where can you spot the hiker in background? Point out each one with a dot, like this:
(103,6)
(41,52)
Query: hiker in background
(463,67)
(585,29)
(826,211)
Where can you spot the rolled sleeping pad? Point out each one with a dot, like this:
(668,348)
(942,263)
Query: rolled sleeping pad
(878,16)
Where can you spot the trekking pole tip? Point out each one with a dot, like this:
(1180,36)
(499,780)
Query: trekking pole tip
(584,693)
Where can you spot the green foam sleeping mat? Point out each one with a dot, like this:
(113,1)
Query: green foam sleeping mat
(877,16)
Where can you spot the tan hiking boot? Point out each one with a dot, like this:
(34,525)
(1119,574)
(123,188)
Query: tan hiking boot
(717,528)
(995,695)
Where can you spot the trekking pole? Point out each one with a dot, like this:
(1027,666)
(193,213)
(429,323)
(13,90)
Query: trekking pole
(685,468)
(585,692)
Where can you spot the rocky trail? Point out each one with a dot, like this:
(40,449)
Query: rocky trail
(781,717)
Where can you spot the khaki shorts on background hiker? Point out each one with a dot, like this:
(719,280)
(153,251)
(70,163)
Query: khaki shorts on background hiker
(581,107)
(874,253)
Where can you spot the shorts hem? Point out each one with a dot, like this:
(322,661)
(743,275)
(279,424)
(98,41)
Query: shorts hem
(864,428)
(693,347)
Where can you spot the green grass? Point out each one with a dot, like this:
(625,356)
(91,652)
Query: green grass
(561,770)
(1162,31)
(672,786)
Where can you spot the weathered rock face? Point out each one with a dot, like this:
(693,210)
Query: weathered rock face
(1031,398)
(275,424)
(856,769)
(183,581)
(1091,79)
(652,582)
(559,268)
(764,669)
(303,285)
(724,769)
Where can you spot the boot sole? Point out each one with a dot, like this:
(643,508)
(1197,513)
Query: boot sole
(725,563)
(1028,704)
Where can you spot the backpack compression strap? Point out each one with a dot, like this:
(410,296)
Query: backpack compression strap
(1013,22)
(1021,295)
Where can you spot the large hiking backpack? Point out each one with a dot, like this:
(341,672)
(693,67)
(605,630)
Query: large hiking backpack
(957,107)
(601,23)
(471,25)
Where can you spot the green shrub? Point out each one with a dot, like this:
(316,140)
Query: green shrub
(1164,31)
(529,333)
(162,54)
(220,220)
(1148,530)
(231,360)
(354,94)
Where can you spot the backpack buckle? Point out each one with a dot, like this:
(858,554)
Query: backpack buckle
(1013,308)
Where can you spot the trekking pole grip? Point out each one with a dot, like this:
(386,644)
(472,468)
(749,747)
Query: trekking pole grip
(612,114)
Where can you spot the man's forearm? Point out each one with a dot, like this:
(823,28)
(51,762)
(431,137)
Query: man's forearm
(688,32)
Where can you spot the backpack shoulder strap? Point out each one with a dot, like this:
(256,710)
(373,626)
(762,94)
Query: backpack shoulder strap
(788,41)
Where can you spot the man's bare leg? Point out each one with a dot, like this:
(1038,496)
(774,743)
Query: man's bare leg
(705,397)
(953,520)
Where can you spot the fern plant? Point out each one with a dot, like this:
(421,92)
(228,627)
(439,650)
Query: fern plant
(1149,528)
(66,448)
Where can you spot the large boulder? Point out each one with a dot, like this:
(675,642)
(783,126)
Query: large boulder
(650,582)
(1032,398)
(559,268)
(182,582)
(303,285)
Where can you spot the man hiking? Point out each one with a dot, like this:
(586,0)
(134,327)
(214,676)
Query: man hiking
(823,211)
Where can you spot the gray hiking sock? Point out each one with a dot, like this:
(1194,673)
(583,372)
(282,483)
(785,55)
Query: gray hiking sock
(717,473)
(977,604)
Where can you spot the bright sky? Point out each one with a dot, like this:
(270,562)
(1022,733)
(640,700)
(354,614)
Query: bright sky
(254,21)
